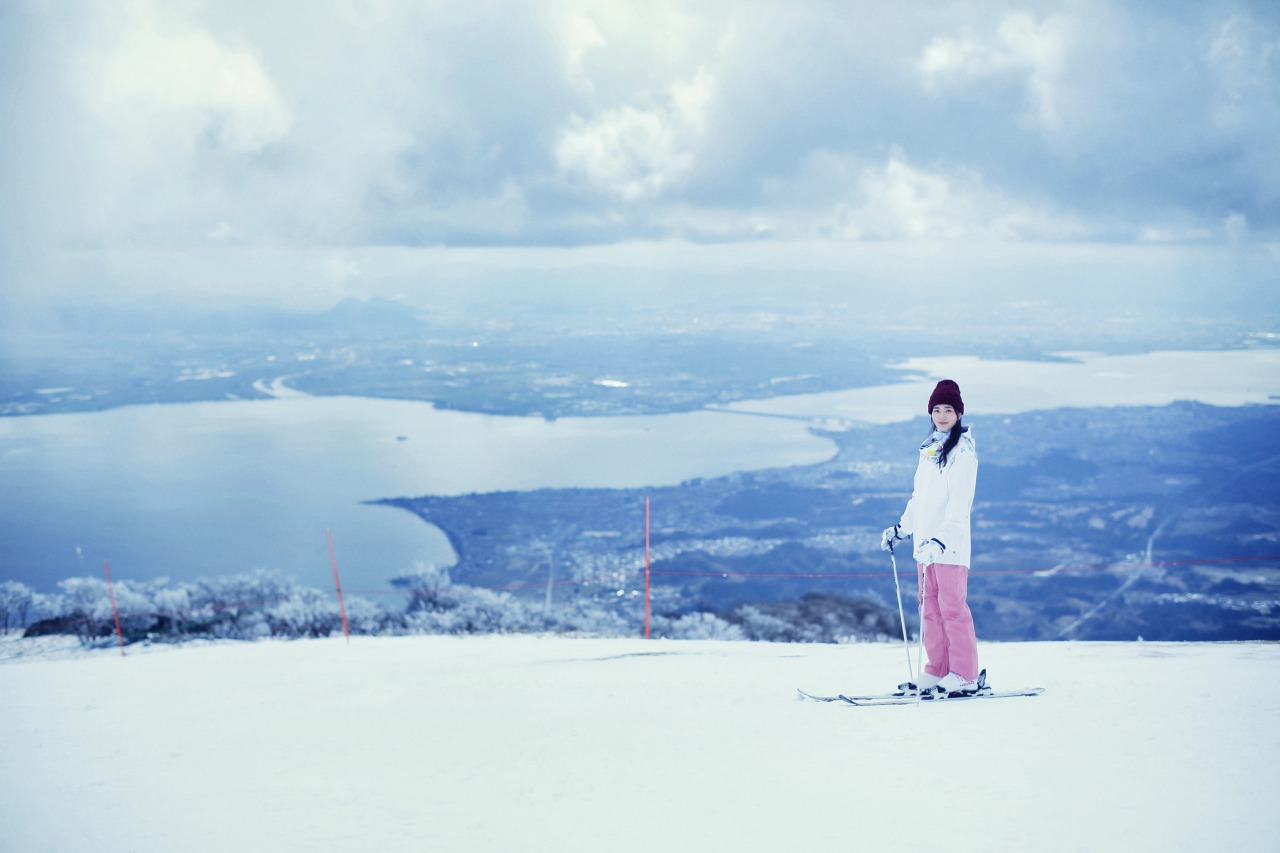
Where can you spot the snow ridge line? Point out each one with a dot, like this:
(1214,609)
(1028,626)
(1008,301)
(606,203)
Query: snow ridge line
(618,576)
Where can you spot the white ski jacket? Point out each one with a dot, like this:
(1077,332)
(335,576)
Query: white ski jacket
(942,498)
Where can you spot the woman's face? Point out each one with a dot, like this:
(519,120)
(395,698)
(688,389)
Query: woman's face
(944,417)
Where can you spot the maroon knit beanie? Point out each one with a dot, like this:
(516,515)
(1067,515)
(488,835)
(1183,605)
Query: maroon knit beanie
(947,393)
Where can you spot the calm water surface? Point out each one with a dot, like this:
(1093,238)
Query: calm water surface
(192,490)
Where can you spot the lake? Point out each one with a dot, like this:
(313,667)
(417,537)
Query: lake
(191,490)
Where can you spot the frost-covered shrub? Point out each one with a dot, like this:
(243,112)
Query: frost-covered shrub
(423,585)
(17,604)
(437,606)
(818,617)
(87,608)
(266,604)
(366,617)
(172,607)
(758,625)
(308,614)
(83,608)
(695,626)
(234,607)
(136,606)
(591,616)
(466,610)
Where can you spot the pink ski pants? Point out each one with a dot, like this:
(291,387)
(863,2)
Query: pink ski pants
(949,639)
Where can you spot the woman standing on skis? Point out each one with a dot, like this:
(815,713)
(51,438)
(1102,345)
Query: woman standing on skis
(937,518)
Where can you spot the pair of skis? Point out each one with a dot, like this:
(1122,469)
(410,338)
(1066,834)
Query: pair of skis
(908,694)
(905,698)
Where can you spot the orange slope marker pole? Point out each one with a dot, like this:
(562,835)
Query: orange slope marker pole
(111,590)
(333,557)
(646,567)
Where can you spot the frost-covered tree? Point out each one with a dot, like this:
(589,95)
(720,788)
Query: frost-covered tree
(172,605)
(695,626)
(589,615)
(136,607)
(817,617)
(17,603)
(438,606)
(423,585)
(366,617)
(264,604)
(86,607)
(466,610)
(234,607)
(759,625)
(309,613)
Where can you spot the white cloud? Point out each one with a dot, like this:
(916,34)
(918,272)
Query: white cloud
(842,197)
(579,36)
(175,123)
(1034,50)
(194,83)
(1245,68)
(646,78)
(899,200)
(633,152)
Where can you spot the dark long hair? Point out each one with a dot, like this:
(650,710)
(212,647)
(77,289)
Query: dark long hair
(952,440)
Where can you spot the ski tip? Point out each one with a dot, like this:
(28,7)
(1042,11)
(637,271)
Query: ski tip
(800,694)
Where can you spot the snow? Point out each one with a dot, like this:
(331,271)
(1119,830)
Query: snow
(556,744)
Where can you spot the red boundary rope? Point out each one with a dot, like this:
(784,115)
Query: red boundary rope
(612,579)
(1047,570)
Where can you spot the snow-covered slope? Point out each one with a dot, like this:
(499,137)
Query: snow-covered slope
(555,744)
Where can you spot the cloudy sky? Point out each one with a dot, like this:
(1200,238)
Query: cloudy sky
(302,151)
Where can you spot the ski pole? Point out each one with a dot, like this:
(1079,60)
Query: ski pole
(906,646)
(920,577)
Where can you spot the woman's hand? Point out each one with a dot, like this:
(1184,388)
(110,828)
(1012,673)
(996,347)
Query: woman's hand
(929,552)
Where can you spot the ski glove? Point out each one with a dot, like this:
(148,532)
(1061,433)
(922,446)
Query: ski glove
(889,537)
(929,552)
